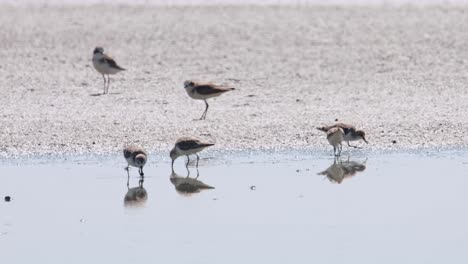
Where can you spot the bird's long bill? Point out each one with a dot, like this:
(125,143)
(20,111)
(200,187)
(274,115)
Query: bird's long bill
(363,138)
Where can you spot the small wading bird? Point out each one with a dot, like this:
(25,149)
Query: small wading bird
(187,146)
(350,133)
(135,157)
(204,91)
(335,137)
(105,65)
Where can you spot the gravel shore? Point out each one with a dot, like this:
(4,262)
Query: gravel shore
(398,73)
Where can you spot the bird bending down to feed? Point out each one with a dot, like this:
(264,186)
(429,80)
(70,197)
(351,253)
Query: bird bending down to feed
(135,157)
(187,146)
(204,91)
(335,136)
(350,132)
(105,65)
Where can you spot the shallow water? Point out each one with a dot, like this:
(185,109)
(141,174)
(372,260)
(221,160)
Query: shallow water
(375,208)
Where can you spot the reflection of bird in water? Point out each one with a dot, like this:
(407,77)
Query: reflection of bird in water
(187,185)
(339,171)
(136,195)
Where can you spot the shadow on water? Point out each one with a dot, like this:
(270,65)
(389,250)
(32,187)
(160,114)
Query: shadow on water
(135,196)
(341,170)
(186,185)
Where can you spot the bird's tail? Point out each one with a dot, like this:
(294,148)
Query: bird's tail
(227,89)
(205,186)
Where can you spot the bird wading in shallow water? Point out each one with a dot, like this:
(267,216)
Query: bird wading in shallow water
(135,157)
(350,133)
(204,91)
(187,146)
(105,65)
(335,136)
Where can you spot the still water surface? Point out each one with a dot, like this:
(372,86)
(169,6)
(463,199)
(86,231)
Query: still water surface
(282,208)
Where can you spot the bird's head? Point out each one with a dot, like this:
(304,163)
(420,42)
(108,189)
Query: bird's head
(362,135)
(173,154)
(189,84)
(99,50)
(140,160)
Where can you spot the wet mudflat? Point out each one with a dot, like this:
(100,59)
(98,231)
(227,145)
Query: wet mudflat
(276,208)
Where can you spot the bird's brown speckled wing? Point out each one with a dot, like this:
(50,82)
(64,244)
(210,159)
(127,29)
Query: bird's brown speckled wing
(191,143)
(111,62)
(207,89)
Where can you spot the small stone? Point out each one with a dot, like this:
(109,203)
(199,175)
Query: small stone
(394,141)
(7,198)
(253,188)
(298,170)
(336,119)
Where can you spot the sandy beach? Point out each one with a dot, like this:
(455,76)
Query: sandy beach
(398,73)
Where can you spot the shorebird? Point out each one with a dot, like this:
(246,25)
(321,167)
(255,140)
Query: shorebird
(105,65)
(204,91)
(335,137)
(350,132)
(135,157)
(187,146)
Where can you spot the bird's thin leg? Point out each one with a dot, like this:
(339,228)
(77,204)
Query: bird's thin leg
(128,180)
(108,83)
(188,160)
(339,149)
(198,173)
(141,172)
(334,151)
(104,77)
(140,182)
(198,158)
(206,111)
